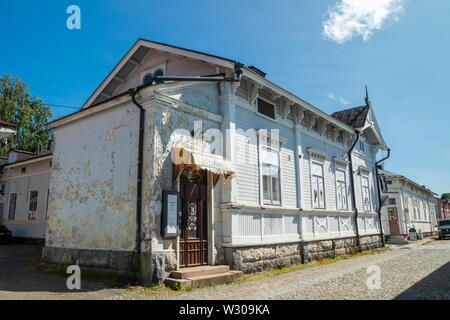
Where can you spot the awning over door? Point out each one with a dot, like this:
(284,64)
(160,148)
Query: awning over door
(216,164)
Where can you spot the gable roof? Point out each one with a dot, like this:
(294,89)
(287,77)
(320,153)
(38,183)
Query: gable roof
(354,117)
(393,175)
(135,56)
(7,124)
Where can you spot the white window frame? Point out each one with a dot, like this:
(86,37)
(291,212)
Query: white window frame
(317,157)
(341,165)
(365,176)
(264,134)
(269,102)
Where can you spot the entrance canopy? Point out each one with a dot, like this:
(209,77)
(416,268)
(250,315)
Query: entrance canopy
(200,160)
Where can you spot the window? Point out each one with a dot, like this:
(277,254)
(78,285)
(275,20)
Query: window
(392,201)
(270,175)
(32,212)
(46,208)
(366,193)
(318,189)
(12,206)
(389,182)
(361,146)
(425,213)
(24,170)
(266,108)
(341,189)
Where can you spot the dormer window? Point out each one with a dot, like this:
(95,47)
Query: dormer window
(266,108)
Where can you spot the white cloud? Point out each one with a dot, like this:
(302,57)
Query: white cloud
(340,99)
(343,101)
(350,18)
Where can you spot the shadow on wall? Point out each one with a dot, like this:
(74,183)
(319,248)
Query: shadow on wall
(434,287)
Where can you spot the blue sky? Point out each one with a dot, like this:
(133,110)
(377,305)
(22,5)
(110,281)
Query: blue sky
(405,63)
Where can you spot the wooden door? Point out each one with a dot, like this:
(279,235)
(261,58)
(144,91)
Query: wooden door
(393,221)
(194,224)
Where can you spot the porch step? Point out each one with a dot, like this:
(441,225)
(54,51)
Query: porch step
(188,273)
(206,280)
(396,239)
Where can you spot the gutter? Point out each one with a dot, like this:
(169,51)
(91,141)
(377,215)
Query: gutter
(352,182)
(379,196)
(137,249)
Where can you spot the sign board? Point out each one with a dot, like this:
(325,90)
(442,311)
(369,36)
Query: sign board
(169,219)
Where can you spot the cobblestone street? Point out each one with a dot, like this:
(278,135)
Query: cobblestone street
(415,271)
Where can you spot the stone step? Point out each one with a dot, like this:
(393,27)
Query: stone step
(205,280)
(188,273)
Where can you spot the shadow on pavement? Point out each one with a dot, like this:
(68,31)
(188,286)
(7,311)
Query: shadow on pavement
(436,286)
(18,274)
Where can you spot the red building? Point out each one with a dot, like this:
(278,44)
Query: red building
(444,209)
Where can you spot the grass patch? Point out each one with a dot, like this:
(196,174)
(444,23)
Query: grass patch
(320,262)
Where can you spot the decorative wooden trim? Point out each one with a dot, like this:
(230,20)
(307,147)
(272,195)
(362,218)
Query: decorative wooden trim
(341,162)
(317,153)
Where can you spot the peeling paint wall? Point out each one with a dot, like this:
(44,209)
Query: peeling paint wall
(92,202)
(157,176)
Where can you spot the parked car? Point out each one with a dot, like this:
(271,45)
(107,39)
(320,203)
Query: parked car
(444,229)
(5,234)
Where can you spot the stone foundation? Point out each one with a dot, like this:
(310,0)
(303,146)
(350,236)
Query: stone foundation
(265,257)
(153,273)
(117,261)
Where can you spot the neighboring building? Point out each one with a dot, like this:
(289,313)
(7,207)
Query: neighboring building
(443,207)
(409,205)
(25,180)
(271,200)
(7,129)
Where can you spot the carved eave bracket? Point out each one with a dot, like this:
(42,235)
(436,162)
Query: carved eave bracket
(299,115)
(312,119)
(253,92)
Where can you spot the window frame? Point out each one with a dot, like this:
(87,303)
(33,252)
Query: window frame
(262,164)
(315,180)
(365,176)
(30,217)
(15,206)
(269,102)
(338,182)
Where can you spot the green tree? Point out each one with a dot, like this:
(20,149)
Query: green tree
(445,196)
(30,114)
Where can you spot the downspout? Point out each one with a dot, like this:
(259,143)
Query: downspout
(137,249)
(352,182)
(379,196)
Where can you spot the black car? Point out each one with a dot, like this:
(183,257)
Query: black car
(444,229)
(5,234)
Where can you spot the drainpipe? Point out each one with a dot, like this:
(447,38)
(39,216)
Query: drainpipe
(352,182)
(379,196)
(137,249)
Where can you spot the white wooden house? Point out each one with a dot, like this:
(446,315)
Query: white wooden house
(270,199)
(409,205)
(25,178)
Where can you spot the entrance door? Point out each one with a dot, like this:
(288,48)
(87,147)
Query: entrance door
(393,221)
(194,235)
